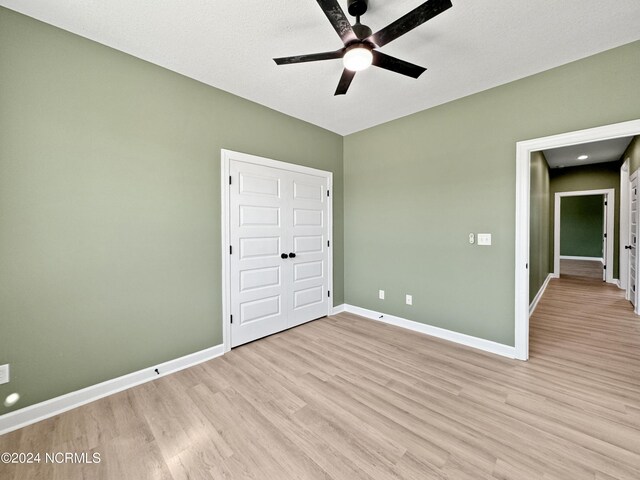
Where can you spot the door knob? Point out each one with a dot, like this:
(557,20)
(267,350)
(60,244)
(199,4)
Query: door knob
(628,247)
(284,255)
(292,255)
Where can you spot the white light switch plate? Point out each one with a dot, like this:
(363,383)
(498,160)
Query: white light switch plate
(484,239)
(4,374)
(409,299)
(381,294)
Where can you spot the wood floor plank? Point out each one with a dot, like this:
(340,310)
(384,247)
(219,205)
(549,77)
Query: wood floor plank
(348,398)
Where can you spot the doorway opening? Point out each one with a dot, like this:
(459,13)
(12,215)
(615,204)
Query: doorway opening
(525,156)
(584,234)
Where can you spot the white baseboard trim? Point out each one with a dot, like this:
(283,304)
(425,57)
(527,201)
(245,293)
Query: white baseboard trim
(338,309)
(618,284)
(54,406)
(536,299)
(461,338)
(590,259)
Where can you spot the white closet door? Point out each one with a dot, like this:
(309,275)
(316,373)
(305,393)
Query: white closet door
(259,205)
(279,258)
(308,232)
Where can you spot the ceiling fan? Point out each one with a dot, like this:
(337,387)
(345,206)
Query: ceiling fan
(360,44)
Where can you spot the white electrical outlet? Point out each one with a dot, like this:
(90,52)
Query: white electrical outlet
(484,239)
(472,238)
(409,300)
(4,374)
(381,294)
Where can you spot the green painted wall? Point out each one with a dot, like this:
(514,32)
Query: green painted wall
(110,207)
(415,187)
(581,224)
(633,154)
(539,255)
(588,177)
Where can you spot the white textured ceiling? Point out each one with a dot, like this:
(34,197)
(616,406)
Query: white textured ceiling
(598,152)
(229,44)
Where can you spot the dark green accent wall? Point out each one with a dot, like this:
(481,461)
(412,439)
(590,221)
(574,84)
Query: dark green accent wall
(588,177)
(581,224)
(110,207)
(417,186)
(539,261)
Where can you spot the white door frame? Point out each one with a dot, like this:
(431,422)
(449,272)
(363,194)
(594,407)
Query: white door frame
(226,156)
(523,158)
(610,198)
(623,264)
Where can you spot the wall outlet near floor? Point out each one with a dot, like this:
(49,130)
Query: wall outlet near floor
(409,299)
(472,238)
(4,374)
(381,294)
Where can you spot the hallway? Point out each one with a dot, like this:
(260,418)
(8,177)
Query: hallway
(585,334)
(587,323)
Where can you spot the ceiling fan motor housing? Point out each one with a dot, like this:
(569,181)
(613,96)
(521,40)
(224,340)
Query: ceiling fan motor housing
(357,7)
(361,31)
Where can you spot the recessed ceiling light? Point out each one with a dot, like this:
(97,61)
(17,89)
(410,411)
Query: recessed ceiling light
(583,157)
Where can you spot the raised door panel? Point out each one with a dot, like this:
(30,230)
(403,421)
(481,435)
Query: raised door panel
(305,245)
(257,278)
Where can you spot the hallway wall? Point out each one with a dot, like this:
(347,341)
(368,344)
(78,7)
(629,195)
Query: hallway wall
(540,261)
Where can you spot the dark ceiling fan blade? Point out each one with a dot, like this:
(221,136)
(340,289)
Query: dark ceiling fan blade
(336,16)
(396,65)
(312,57)
(345,81)
(411,20)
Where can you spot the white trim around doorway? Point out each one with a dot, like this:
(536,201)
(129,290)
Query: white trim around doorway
(225,160)
(523,157)
(610,198)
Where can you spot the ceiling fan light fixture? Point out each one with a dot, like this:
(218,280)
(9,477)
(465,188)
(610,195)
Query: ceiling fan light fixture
(357,58)
(359,41)
(583,157)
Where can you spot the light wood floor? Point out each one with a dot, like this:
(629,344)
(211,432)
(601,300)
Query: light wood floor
(348,398)
(581,268)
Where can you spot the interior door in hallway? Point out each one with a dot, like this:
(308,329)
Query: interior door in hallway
(604,238)
(633,241)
